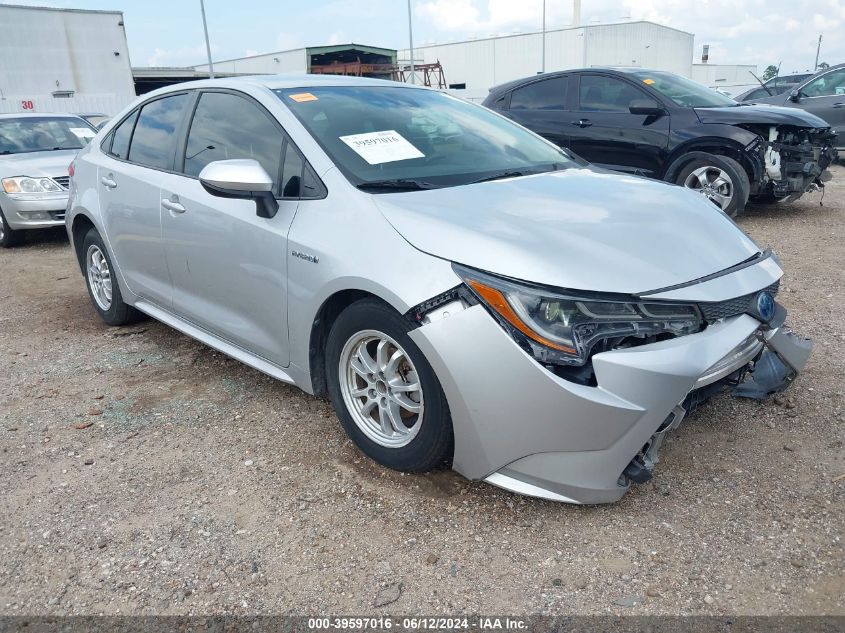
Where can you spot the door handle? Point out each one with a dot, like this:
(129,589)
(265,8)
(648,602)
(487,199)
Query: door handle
(108,182)
(173,206)
(582,123)
(839,105)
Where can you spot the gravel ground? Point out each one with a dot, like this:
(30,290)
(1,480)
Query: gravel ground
(142,472)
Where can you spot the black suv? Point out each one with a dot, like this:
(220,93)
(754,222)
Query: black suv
(661,125)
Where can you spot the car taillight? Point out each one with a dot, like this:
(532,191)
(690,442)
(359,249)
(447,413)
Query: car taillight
(71,169)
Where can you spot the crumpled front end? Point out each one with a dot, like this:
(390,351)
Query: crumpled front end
(524,427)
(794,160)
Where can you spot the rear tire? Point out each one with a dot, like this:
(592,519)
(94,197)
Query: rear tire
(720,179)
(9,237)
(384,391)
(103,288)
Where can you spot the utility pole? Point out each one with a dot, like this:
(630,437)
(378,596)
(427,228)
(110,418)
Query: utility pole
(207,45)
(818,48)
(543,68)
(411,41)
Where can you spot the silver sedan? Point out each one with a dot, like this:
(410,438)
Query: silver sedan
(35,152)
(464,292)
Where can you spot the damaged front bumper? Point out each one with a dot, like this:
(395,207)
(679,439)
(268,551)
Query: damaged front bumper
(792,161)
(519,426)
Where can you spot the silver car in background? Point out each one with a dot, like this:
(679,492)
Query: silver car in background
(463,291)
(35,151)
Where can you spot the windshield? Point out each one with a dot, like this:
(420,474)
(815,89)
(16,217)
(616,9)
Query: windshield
(43,134)
(684,92)
(400,137)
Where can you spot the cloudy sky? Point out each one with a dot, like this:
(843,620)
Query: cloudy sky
(762,32)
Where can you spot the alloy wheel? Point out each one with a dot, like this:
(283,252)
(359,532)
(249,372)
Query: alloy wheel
(381,388)
(99,276)
(713,183)
(2,228)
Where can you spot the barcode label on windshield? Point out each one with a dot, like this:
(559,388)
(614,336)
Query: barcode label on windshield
(382,147)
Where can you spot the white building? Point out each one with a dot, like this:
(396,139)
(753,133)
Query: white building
(304,60)
(730,78)
(63,60)
(476,65)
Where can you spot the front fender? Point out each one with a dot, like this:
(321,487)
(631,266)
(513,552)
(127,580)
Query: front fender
(729,140)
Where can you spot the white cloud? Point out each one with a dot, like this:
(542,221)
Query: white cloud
(449,15)
(184,56)
(338,37)
(288,41)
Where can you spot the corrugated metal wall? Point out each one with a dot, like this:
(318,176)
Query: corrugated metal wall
(641,44)
(295,61)
(43,51)
(481,64)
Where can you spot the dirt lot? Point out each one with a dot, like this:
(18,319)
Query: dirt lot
(198,485)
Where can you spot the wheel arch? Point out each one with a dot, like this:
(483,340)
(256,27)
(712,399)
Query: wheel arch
(703,147)
(324,318)
(80,226)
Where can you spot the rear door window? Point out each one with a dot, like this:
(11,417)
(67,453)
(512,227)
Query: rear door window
(121,137)
(154,141)
(548,94)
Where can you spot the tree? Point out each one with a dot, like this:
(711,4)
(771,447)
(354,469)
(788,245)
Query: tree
(823,66)
(771,71)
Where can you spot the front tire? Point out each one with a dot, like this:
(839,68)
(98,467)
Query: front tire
(720,179)
(384,391)
(8,236)
(103,288)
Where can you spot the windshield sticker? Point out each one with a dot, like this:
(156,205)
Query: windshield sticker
(302,97)
(648,82)
(83,132)
(387,146)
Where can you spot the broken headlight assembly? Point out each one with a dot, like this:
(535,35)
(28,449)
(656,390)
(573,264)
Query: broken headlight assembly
(566,329)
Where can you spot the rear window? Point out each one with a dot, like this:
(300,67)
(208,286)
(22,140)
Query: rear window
(154,140)
(549,94)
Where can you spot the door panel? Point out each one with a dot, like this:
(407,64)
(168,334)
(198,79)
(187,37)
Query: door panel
(131,217)
(229,267)
(227,264)
(824,96)
(541,107)
(604,132)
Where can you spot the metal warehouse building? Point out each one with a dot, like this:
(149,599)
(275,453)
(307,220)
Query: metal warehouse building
(63,60)
(370,60)
(478,64)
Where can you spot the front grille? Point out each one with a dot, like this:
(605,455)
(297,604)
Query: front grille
(733,307)
(63,181)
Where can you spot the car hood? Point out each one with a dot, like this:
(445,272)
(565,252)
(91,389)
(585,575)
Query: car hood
(580,228)
(760,113)
(49,163)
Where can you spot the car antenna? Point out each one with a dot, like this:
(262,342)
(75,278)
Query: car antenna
(777,74)
(759,81)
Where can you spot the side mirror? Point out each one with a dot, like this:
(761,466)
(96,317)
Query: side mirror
(646,106)
(795,96)
(244,179)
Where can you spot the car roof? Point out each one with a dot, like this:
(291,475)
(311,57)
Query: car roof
(38,115)
(292,80)
(282,82)
(558,73)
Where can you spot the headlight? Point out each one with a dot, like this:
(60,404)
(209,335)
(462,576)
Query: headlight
(564,329)
(26,184)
